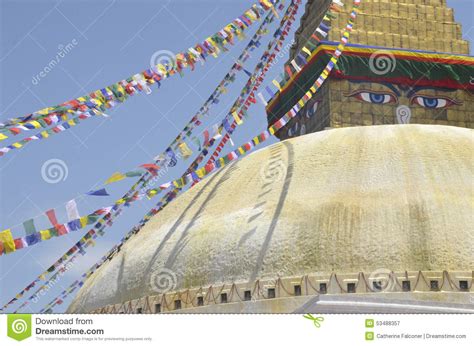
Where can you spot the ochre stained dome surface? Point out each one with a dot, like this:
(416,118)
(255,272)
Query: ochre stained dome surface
(345,200)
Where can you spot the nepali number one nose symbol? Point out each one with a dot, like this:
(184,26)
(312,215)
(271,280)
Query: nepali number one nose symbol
(403,114)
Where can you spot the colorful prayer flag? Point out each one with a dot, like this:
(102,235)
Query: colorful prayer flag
(71,210)
(7,240)
(100,192)
(117,176)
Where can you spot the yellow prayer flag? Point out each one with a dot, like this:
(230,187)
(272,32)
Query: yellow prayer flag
(301,103)
(83,221)
(117,176)
(306,50)
(334,59)
(184,150)
(201,172)
(237,118)
(2,137)
(275,83)
(151,193)
(45,235)
(45,111)
(17,145)
(36,124)
(7,240)
(271,130)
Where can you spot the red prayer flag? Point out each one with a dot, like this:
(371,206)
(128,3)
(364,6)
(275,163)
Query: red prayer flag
(18,243)
(54,221)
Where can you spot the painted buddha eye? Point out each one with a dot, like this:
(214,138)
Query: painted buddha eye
(375,97)
(303,130)
(433,102)
(311,110)
(293,130)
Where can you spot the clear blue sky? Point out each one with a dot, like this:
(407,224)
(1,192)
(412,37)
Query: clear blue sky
(115,39)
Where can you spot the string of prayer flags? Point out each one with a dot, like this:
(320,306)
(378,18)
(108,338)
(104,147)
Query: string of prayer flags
(51,131)
(315,39)
(181,60)
(108,97)
(247,97)
(74,224)
(100,192)
(247,93)
(195,120)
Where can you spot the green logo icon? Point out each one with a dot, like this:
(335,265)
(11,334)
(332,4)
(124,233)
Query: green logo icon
(19,326)
(316,320)
(369,323)
(369,336)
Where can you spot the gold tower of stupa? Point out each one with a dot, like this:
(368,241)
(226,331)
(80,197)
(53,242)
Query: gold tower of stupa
(395,37)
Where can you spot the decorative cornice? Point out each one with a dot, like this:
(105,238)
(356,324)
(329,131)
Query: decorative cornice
(379,281)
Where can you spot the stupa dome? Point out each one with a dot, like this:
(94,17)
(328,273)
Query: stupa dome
(343,201)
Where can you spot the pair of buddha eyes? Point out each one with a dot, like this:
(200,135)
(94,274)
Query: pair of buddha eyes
(294,130)
(425,101)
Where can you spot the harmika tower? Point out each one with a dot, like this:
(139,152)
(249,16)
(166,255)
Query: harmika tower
(407,64)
